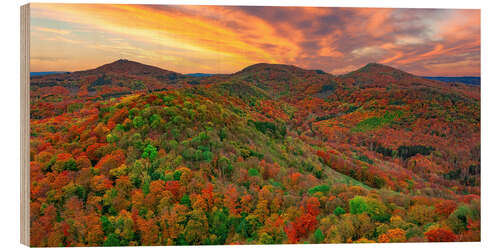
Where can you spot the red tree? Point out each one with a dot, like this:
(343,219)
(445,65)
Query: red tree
(440,235)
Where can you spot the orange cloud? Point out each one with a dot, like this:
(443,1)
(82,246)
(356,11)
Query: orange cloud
(49,30)
(219,39)
(393,58)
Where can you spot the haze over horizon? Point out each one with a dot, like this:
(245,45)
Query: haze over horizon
(194,73)
(221,39)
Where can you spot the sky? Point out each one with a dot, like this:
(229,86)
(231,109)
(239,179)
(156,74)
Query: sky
(226,39)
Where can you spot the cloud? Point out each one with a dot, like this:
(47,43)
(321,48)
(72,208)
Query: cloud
(367,51)
(224,39)
(51,30)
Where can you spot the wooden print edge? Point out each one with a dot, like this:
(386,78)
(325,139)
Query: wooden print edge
(25,124)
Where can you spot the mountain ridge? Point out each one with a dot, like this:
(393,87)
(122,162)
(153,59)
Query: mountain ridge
(279,80)
(131,67)
(134,67)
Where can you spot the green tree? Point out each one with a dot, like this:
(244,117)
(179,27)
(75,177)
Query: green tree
(219,226)
(111,240)
(339,211)
(458,219)
(185,200)
(207,156)
(377,210)
(358,205)
(150,152)
(138,122)
(318,236)
(177,175)
(253,172)
(320,188)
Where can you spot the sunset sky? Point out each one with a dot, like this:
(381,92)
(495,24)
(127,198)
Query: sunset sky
(216,39)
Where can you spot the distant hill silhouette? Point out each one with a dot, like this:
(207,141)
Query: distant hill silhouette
(199,74)
(472,80)
(124,66)
(43,73)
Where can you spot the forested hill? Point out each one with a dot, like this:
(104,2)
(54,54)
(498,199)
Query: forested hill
(130,154)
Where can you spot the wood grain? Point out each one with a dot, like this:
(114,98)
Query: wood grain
(25,124)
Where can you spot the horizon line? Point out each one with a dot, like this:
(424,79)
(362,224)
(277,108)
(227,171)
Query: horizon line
(347,72)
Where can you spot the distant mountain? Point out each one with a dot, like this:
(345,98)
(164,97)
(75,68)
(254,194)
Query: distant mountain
(383,76)
(381,69)
(46,73)
(276,71)
(124,66)
(288,81)
(472,80)
(199,74)
(118,78)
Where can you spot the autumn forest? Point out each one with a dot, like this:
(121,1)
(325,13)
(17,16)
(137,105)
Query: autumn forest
(129,154)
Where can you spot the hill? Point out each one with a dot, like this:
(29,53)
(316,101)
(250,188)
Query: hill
(269,154)
(126,67)
(287,81)
(118,78)
(46,73)
(200,74)
(377,75)
(472,80)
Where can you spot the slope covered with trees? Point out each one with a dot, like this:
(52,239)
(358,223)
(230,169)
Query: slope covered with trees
(129,154)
